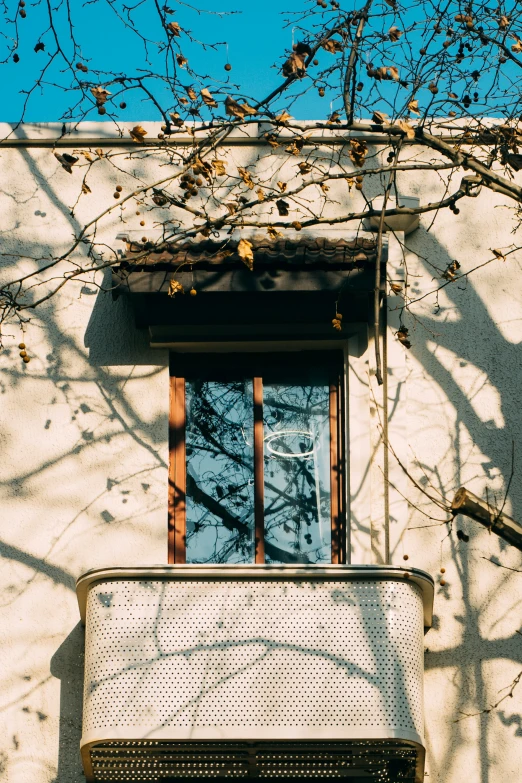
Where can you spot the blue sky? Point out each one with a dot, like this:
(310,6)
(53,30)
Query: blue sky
(257,36)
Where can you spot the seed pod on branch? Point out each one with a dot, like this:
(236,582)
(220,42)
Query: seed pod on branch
(402,337)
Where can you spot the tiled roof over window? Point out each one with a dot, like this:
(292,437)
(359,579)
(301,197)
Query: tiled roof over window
(308,251)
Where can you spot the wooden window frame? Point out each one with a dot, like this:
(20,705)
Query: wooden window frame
(177,526)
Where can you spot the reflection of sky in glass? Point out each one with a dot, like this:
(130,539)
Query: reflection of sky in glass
(220,472)
(297,473)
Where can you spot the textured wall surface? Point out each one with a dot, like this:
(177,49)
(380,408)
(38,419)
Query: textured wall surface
(83,471)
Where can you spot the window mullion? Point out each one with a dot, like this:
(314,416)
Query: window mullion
(259,472)
(177,473)
(335,472)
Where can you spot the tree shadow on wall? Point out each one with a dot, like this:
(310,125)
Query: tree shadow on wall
(67,665)
(480,345)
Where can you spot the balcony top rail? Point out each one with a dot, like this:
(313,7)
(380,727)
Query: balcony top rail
(272,572)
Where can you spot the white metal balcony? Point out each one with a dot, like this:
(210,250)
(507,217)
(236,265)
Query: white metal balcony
(260,671)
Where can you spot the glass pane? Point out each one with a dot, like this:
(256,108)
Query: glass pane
(297,472)
(220,472)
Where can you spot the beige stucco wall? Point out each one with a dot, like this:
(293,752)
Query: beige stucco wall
(83,476)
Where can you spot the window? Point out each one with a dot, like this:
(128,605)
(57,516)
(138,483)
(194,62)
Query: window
(256,458)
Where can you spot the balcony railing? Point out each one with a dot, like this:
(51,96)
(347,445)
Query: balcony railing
(260,671)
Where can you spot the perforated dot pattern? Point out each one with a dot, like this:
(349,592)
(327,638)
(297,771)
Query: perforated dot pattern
(383,762)
(266,657)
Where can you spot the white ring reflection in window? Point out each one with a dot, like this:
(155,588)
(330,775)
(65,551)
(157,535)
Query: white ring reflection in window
(291,455)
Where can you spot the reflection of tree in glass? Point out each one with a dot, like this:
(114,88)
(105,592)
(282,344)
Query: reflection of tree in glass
(220,472)
(297,471)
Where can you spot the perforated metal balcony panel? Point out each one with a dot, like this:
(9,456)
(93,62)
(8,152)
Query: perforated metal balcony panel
(261,671)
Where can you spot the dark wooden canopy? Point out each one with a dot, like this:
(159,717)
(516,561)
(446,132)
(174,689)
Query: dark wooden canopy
(294,282)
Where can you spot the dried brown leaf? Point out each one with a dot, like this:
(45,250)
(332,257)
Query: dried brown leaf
(245,176)
(405,126)
(283,117)
(333,45)
(67,161)
(295,65)
(202,167)
(174,288)
(138,134)
(244,251)
(394,34)
(260,194)
(358,151)
(498,254)
(219,167)
(379,117)
(451,270)
(208,99)
(100,94)
(173,28)
(305,167)
(192,94)
(239,110)
(282,186)
(296,145)
(413,106)
(233,108)
(85,188)
(516,47)
(282,207)
(273,233)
